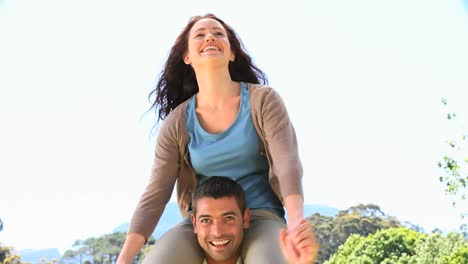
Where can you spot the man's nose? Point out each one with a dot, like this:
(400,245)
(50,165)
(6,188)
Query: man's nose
(218,229)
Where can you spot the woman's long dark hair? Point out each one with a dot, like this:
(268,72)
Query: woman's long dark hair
(178,82)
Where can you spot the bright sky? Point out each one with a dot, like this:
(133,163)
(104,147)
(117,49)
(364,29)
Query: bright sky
(362,81)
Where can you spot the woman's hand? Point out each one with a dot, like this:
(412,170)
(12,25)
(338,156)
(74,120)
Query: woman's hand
(298,244)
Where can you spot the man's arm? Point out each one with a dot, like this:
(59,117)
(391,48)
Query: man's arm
(299,246)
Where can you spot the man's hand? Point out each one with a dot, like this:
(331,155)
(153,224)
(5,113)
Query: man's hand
(299,245)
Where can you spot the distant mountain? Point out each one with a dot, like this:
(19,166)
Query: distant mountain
(33,256)
(310,209)
(171,217)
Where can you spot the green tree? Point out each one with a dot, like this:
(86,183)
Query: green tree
(98,250)
(79,253)
(464,231)
(454,165)
(144,251)
(331,232)
(437,248)
(460,256)
(385,246)
(8,257)
(402,246)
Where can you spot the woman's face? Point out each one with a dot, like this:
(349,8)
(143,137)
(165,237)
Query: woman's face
(208,43)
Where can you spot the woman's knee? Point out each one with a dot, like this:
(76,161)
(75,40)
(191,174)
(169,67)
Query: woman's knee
(261,243)
(178,245)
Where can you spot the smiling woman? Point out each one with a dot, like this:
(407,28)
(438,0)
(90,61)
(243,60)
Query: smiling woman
(219,119)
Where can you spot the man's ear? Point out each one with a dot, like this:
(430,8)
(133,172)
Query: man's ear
(194,223)
(246,218)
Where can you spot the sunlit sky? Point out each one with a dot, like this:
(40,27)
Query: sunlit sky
(362,81)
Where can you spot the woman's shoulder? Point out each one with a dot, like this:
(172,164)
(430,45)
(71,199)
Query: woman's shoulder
(262,93)
(178,113)
(259,88)
(175,120)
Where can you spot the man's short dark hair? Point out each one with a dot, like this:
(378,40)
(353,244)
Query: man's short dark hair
(218,187)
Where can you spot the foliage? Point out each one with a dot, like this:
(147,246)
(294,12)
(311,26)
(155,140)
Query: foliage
(331,232)
(460,256)
(402,246)
(7,256)
(437,248)
(6,253)
(144,251)
(455,165)
(12,259)
(103,250)
(385,246)
(464,231)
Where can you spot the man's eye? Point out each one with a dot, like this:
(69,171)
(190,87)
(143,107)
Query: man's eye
(230,218)
(205,221)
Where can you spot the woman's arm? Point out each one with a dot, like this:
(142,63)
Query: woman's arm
(281,148)
(157,193)
(294,205)
(133,243)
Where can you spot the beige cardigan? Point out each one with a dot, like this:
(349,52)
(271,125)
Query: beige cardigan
(172,162)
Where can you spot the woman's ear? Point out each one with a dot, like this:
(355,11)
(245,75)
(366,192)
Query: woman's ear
(187,59)
(233,57)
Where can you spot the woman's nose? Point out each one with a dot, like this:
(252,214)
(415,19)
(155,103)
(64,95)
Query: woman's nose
(209,37)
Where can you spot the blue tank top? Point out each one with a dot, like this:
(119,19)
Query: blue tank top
(234,153)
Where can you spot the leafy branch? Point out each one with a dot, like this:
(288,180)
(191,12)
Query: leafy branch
(455,165)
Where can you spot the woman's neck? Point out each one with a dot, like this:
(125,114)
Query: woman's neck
(214,87)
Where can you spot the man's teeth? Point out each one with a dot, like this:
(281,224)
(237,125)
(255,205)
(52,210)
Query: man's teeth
(220,242)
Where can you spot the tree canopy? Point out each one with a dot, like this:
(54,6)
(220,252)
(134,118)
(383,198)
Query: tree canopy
(402,246)
(104,249)
(454,164)
(363,219)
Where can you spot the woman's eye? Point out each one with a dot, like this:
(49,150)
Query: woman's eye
(199,35)
(219,34)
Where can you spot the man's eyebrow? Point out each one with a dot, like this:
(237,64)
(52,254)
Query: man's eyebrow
(205,28)
(224,214)
(204,216)
(230,213)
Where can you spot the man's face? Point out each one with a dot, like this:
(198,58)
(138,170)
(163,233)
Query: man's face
(219,226)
